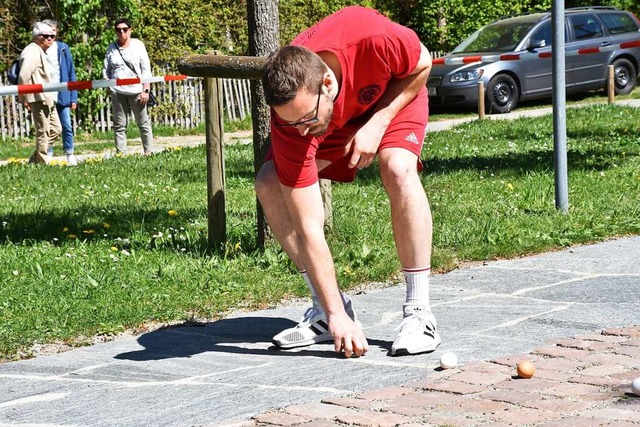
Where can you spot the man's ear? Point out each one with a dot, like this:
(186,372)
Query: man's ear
(328,82)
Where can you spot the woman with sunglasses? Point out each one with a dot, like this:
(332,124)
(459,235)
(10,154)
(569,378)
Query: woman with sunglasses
(34,69)
(127,58)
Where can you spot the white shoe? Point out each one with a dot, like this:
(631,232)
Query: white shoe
(417,332)
(72,160)
(312,329)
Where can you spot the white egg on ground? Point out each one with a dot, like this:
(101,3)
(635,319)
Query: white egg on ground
(448,360)
(635,386)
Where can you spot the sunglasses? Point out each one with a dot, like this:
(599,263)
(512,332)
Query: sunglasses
(311,121)
(48,36)
(122,29)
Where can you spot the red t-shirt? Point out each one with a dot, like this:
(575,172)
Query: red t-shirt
(372,50)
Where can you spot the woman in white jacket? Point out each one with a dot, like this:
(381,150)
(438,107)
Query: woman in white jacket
(127,58)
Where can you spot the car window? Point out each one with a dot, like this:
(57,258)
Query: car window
(497,37)
(618,23)
(586,26)
(543,34)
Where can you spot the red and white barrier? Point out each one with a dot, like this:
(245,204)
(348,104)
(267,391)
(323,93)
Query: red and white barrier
(83,85)
(516,56)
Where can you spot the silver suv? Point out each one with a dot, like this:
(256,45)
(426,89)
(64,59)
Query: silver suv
(512,57)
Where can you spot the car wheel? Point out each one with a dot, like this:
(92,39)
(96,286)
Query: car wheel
(624,76)
(502,94)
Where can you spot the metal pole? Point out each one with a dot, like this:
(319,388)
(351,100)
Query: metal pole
(559,108)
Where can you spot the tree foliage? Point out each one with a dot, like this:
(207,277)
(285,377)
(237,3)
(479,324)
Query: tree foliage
(442,24)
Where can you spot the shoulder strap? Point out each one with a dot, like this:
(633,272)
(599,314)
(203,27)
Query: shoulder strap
(125,61)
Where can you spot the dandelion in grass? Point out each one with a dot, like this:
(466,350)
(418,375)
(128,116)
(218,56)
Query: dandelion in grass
(17,161)
(510,186)
(65,229)
(88,232)
(173,212)
(114,249)
(106,225)
(72,236)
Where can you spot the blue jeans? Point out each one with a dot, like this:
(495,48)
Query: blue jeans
(67,129)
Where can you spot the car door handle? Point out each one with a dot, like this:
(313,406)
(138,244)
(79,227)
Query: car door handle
(605,44)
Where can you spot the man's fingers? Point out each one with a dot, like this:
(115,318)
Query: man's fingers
(352,347)
(355,159)
(365,346)
(337,344)
(348,349)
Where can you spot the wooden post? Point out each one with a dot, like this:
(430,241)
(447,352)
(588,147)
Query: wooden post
(214,126)
(480,100)
(611,85)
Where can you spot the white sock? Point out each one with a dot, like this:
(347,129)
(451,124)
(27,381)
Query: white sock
(314,296)
(307,280)
(417,282)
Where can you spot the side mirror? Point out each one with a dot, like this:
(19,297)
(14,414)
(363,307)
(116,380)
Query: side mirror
(536,44)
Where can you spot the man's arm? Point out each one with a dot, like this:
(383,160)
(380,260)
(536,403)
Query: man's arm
(307,215)
(399,93)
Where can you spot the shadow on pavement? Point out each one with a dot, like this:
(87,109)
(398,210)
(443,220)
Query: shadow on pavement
(235,335)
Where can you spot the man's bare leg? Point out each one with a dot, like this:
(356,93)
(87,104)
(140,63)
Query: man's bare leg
(412,231)
(313,328)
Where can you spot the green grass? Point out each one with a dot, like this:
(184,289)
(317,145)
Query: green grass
(116,244)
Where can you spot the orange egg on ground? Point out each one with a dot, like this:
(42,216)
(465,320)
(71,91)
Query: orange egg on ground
(526,369)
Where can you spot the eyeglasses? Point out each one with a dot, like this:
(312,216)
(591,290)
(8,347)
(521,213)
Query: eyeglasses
(48,36)
(122,29)
(305,122)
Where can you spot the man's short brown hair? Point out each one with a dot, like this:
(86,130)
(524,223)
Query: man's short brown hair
(288,70)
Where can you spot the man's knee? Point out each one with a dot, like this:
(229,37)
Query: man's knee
(266,181)
(397,166)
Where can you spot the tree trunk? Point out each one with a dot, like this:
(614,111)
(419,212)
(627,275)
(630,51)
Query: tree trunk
(263,39)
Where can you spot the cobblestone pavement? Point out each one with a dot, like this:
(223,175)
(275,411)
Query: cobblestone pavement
(579,382)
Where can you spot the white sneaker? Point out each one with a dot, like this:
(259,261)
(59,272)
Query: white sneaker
(72,160)
(417,332)
(312,329)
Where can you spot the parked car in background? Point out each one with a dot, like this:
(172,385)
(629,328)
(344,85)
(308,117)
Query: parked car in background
(609,35)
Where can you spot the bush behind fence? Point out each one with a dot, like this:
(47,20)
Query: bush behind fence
(181,104)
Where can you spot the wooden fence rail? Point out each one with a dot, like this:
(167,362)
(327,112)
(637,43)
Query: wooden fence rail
(181,104)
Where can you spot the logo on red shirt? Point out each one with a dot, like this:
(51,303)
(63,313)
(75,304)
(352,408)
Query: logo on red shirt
(368,93)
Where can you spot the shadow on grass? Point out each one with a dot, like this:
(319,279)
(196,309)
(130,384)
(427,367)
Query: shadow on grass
(513,163)
(122,227)
(232,335)
(532,161)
